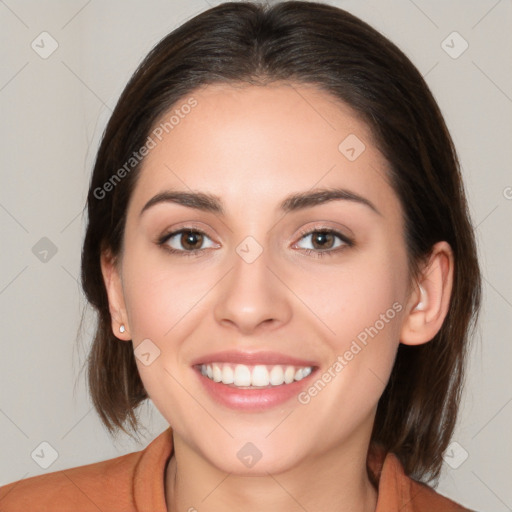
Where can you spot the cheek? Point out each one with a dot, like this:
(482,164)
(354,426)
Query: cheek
(358,299)
(163,305)
(160,295)
(362,307)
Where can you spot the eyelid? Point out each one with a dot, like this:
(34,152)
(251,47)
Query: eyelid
(186,226)
(340,231)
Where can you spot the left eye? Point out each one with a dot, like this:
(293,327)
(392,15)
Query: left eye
(325,240)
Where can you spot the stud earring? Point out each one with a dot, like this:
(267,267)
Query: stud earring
(122,328)
(421,304)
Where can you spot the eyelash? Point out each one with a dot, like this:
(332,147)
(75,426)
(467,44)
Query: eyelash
(347,242)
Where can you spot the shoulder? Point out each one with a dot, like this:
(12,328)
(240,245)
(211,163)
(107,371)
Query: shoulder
(102,485)
(398,491)
(425,499)
(124,484)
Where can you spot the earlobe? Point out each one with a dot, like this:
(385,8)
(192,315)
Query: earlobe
(114,289)
(430,297)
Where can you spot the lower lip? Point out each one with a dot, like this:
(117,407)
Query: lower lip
(253,399)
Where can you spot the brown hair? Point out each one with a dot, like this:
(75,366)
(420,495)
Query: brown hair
(315,44)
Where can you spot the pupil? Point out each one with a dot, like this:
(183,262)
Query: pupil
(321,239)
(190,239)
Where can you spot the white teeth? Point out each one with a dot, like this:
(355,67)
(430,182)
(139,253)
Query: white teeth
(228,375)
(217,373)
(259,376)
(277,376)
(289,374)
(242,375)
(256,376)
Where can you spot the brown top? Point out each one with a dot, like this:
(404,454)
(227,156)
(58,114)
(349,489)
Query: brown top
(135,483)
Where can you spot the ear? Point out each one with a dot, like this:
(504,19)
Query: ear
(114,287)
(430,298)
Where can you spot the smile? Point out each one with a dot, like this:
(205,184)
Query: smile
(254,376)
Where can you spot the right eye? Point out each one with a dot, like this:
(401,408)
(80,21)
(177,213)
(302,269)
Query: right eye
(185,241)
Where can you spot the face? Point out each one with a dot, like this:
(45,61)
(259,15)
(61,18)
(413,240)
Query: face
(263,319)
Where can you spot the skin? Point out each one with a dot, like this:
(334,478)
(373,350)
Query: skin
(252,147)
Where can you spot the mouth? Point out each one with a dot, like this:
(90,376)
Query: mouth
(259,376)
(253,381)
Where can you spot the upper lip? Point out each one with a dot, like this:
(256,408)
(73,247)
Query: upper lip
(252,358)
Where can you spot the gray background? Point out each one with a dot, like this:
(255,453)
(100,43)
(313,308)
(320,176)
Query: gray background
(53,111)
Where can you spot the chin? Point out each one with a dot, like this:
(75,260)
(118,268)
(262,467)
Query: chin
(253,458)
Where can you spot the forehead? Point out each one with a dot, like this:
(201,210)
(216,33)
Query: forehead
(258,142)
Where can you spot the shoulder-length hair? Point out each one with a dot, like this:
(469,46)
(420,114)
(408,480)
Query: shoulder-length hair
(321,45)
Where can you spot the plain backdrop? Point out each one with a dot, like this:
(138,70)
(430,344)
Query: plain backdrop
(53,109)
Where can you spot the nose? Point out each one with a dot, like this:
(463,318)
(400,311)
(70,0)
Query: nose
(253,297)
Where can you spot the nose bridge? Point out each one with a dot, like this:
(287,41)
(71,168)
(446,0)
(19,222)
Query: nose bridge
(251,294)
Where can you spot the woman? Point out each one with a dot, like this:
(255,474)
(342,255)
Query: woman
(281,258)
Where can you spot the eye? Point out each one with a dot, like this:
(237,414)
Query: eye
(186,241)
(323,241)
(190,241)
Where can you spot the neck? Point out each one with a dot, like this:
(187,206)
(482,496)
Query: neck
(336,481)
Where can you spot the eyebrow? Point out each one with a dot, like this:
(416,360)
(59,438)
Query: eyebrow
(299,201)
